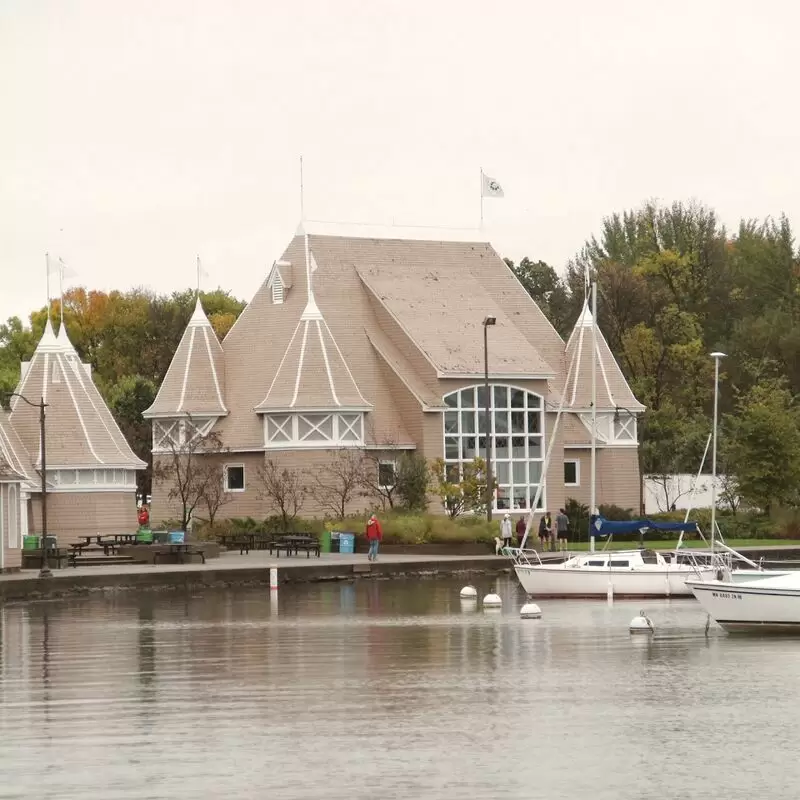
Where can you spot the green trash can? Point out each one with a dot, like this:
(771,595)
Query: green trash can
(30,543)
(144,535)
(160,537)
(325,542)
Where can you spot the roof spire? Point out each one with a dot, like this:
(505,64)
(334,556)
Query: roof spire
(312,310)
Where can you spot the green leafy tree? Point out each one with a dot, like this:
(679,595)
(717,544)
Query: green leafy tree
(545,286)
(412,477)
(763,446)
(460,490)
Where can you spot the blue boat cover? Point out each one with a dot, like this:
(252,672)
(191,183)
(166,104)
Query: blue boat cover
(608,527)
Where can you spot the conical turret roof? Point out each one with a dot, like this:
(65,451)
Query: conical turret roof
(194,384)
(313,373)
(81,432)
(611,387)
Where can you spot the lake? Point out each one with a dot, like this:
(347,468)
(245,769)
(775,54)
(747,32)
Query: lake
(389,689)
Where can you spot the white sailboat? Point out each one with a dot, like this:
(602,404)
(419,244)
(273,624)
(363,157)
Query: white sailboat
(634,572)
(768,603)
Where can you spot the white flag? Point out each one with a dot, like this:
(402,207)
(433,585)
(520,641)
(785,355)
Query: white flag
(313,263)
(65,270)
(490,187)
(201,270)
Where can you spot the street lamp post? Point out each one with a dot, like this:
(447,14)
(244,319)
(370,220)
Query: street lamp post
(717,358)
(44,572)
(487,422)
(617,409)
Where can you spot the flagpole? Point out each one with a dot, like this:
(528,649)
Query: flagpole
(198,275)
(302,199)
(47,280)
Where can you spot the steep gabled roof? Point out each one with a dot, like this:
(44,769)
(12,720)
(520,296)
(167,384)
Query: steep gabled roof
(81,432)
(611,387)
(313,373)
(195,381)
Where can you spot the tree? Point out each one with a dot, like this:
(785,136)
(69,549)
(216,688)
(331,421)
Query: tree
(187,470)
(283,490)
(336,484)
(763,445)
(460,490)
(544,285)
(213,493)
(412,478)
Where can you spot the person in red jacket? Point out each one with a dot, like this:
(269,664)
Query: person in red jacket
(374,535)
(144,517)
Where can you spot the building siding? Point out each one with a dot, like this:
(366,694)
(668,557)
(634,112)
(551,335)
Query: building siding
(74,514)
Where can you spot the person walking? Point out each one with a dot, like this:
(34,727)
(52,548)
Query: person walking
(144,517)
(562,529)
(374,535)
(506,531)
(521,525)
(545,527)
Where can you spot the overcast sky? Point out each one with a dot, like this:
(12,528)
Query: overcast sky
(135,135)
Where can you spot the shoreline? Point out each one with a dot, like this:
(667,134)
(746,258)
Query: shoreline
(237,570)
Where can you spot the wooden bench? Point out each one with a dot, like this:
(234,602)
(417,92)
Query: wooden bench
(55,555)
(244,546)
(179,550)
(278,546)
(309,547)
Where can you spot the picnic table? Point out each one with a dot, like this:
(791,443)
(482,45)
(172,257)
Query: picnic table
(295,543)
(179,549)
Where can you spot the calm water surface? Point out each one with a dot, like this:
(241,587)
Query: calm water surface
(388,690)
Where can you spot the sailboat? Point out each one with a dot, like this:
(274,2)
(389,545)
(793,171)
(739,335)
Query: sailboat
(626,573)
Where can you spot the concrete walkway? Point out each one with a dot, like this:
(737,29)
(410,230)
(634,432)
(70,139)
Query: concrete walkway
(232,568)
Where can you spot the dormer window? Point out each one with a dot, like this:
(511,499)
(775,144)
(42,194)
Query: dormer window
(277,289)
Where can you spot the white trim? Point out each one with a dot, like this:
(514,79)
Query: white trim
(299,364)
(495,376)
(234,465)
(212,365)
(80,417)
(339,427)
(13,524)
(162,415)
(2,533)
(327,364)
(278,288)
(577,463)
(186,368)
(578,363)
(603,373)
(280,366)
(314,410)
(90,480)
(115,439)
(344,361)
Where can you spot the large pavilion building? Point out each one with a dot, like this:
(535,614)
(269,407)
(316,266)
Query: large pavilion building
(377,344)
(91,469)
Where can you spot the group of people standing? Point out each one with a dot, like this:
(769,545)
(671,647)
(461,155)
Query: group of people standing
(551,531)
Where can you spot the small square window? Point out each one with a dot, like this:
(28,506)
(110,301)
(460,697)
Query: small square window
(571,473)
(234,478)
(386,473)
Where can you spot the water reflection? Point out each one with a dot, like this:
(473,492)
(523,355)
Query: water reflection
(391,689)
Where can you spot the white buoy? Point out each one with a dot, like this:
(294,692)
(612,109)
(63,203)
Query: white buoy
(641,624)
(530,611)
(273,577)
(469,604)
(469,591)
(492,601)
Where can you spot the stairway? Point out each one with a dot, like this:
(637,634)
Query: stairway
(105,561)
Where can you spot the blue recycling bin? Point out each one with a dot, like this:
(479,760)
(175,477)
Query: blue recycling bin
(176,537)
(347,543)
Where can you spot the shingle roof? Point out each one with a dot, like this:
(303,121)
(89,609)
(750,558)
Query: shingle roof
(81,432)
(437,294)
(13,451)
(195,381)
(612,388)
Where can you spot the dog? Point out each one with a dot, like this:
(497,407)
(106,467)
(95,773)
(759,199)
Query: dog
(498,545)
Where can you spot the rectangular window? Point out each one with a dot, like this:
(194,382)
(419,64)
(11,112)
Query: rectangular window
(386,473)
(234,477)
(572,473)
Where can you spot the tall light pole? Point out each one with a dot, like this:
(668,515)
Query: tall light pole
(487,421)
(44,572)
(717,356)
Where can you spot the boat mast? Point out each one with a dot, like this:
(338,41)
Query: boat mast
(717,357)
(593,479)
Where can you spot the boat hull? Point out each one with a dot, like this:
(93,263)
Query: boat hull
(554,581)
(750,608)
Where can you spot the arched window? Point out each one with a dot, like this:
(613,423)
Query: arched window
(517,439)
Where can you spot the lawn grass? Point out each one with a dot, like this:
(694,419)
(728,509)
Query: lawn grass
(600,544)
